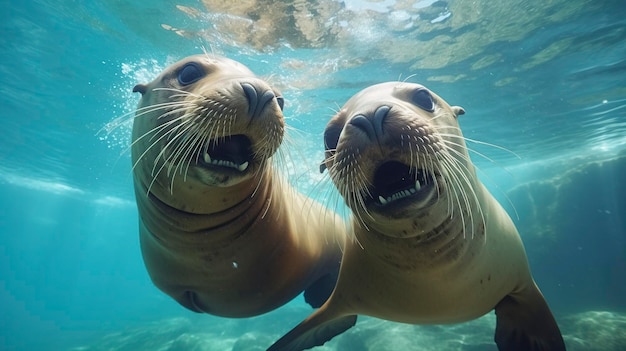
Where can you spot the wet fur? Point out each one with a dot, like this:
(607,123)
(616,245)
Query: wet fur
(445,253)
(215,239)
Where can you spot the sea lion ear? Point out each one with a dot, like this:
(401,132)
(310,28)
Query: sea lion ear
(458,110)
(322,166)
(141,88)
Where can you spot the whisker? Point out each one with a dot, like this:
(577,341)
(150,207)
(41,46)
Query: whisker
(194,148)
(431,168)
(168,161)
(176,134)
(331,199)
(458,177)
(407,78)
(154,131)
(468,160)
(180,93)
(117,122)
(269,198)
(465,171)
(170,107)
(349,183)
(502,148)
(261,175)
(458,191)
(125,118)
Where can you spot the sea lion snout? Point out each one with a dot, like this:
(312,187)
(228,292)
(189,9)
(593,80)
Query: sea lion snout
(259,98)
(371,124)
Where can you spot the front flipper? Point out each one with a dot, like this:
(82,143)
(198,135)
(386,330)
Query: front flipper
(318,292)
(317,329)
(525,323)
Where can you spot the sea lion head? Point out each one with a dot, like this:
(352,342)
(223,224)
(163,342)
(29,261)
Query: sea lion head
(208,120)
(396,154)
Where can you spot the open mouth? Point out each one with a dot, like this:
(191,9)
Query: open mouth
(395,181)
(232,152)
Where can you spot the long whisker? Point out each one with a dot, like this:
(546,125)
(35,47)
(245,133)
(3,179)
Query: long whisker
(465,171)
(459,177)
(154,131)
(429,167)
(467,159)
(502,148)
(262,173)
(175,132)
(193,150)
(350,183)
(454,184)
(180,93)
(168,162)
(471,149)
(122,120)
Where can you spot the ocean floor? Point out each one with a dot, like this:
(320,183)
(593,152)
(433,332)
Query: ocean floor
(589,331)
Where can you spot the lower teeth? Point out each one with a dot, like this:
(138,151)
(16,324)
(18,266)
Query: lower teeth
(242,167)
(400,195)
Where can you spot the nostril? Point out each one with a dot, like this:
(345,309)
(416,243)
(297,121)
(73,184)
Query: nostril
(372,125)
(252,97)
(256,103)
(265,99)
(379,117)
(364,124)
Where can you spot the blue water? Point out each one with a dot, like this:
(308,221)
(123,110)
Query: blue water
(543,79)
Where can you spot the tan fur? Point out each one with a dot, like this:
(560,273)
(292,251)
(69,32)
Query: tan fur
(458,274)
(447,253)
(219,241)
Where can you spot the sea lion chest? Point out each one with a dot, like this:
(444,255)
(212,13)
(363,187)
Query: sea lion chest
(443,276)
(229,263)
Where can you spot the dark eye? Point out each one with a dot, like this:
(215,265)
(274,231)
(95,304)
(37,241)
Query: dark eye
(423,99)
(331,137)
(280,101)
(190,73)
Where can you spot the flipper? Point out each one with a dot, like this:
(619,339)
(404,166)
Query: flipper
(317,329)
(525,323)
(318,292)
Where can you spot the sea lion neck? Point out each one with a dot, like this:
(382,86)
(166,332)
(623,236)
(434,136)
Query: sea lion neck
(194,197)
(242,207)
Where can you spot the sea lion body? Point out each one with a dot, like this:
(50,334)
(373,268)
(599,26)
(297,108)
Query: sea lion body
(402,276)
(221,231)
(431,245)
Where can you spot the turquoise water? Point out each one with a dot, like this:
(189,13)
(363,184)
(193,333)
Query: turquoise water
(543,79)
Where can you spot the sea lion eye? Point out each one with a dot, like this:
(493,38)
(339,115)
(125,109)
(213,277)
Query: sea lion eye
(190,73)
(423,99)
(331,137)
(281,102)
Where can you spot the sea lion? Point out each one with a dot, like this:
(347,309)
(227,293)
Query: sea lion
(431,245)
(221,231)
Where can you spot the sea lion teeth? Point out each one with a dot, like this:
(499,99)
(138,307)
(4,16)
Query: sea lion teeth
(242,167)
(418,186)
(223,163)
(397,196)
